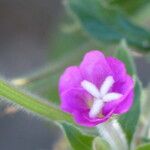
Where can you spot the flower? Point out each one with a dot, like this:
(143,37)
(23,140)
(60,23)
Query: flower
(96,89)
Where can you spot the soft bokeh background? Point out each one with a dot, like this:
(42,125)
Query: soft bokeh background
(27,28)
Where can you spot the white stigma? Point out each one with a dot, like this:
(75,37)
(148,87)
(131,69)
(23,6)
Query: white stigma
(91,88)
(101,96)
(96,108)
(106,85)
(111,96)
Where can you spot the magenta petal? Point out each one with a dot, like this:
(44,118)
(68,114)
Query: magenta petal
(125,88)
(94,67)
(119,106)
(108,107)
(74,100)
(117,67)
(125,105)
(71,78)
(83,119)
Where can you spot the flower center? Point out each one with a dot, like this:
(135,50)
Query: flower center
(101,96)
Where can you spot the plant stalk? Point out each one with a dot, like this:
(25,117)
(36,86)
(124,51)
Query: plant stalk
(32,103)
(112,132)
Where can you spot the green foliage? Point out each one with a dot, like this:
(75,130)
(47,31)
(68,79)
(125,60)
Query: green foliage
(108,25)
(128,6)
(67,41)
(145,140)
(129,120)
(123,53)
(99,144)
(77,139)
(144,147)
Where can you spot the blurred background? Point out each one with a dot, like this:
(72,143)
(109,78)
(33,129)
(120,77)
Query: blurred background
(27,28)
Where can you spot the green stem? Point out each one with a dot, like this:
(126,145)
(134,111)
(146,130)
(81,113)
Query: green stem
(112,132)
(32,103)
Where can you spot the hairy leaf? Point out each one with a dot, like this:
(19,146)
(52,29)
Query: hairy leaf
(77,139)
(144,147)
(108,25)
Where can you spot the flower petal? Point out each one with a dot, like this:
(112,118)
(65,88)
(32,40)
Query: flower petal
(125,105)
(74,100)
(108,107)
(94,67)
(124,88)
(82,118)
(71,78)
(117,67)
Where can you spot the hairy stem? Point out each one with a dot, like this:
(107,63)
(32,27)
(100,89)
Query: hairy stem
(113,134)
(32,103)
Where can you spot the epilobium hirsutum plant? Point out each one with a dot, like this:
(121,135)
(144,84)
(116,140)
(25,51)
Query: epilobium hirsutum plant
(98,101)
(97,89)
(93,93)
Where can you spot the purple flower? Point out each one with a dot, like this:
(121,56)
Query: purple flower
(96,89)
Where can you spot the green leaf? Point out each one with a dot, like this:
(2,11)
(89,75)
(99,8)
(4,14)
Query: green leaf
(77,139)
(99,24)
(32,103)
(128,6)
(100,144)
(123,53)
(145,140)
(65,42)
(129,120)
(144,147)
